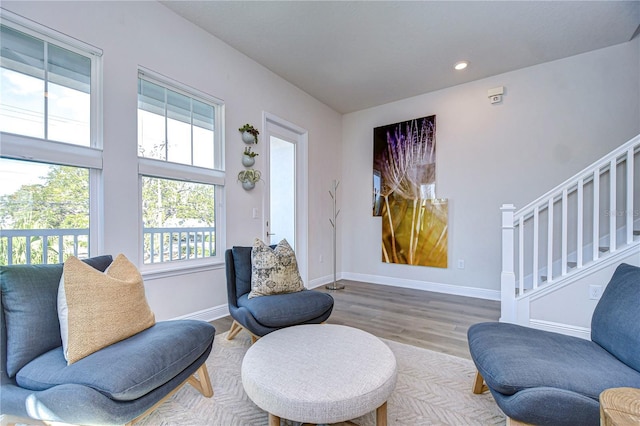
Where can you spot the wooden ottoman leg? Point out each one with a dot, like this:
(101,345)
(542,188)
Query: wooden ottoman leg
(274,420)
(381,415)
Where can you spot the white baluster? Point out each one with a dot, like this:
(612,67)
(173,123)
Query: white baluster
(521,254)
(580,222)
(550,241)
(596,214)
(563,231)
(536,241)
(612,206)
(630,207)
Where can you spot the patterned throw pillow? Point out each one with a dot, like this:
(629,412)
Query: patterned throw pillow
(274,271)
(97,309)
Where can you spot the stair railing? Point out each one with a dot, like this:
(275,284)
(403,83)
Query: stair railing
(586,218)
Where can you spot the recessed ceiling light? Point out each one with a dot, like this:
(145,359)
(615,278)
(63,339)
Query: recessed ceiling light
(461,65)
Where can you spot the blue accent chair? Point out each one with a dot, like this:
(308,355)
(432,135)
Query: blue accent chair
(545,378)
(118,384)
(262,315)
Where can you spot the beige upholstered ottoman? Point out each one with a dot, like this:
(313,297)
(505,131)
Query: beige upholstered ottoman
(319,373)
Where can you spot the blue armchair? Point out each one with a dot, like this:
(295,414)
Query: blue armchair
(545,378)
(118,384)
(264,314)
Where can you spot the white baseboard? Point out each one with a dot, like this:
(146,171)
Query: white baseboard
(570,330)
(479,293)
(207,315)
(318,282)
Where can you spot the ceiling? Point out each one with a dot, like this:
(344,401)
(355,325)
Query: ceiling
(353,55)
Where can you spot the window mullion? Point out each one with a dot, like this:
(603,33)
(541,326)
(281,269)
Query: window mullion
(46,90)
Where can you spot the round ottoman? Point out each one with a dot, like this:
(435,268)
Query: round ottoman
(319,373)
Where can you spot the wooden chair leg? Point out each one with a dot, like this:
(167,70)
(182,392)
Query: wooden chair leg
(478,384)
(237,328)
(202,383)
(234,330)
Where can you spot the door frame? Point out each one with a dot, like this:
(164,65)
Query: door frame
(272,124)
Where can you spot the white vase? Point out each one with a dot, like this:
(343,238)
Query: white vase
(248,137)
(248,161)
(248,185)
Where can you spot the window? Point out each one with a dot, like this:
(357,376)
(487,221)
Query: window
(181,170)
(46,89)
(51,156)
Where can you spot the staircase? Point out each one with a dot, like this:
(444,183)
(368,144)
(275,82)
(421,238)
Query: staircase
(590,221)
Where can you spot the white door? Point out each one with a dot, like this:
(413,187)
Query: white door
(286,195)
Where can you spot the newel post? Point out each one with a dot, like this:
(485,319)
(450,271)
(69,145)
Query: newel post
(508,276)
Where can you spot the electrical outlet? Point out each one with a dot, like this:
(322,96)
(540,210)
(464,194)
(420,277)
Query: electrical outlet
(460,264)
(595,292)
(321,258)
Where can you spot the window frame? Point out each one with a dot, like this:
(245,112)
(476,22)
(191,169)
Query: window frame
(40,150)
(163,169)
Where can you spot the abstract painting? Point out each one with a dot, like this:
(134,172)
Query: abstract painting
(414,221)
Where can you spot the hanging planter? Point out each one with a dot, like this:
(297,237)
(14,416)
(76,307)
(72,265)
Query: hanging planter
(249,134)
(248,157)
(249,178)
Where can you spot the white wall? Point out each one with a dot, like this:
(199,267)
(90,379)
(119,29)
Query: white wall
(147,34)
(554,120)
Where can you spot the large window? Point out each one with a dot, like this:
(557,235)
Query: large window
(181,170)
(51,154)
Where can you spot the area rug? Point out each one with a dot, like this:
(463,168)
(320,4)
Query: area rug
(432,389)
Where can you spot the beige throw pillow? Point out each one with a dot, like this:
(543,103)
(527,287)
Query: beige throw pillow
(274,271)
(98,309)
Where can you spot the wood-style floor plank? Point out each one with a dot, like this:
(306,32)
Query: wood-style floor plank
(434,321)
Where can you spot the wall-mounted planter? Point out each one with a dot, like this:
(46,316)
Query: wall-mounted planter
(248,161)
(248,137)
(248,185)
(249,134)
(248,157)
(249,178)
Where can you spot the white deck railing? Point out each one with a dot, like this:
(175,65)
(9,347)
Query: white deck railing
(588,217)
(42,246)
(45,246)
(167,244)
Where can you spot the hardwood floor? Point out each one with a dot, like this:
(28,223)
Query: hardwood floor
(429,320)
